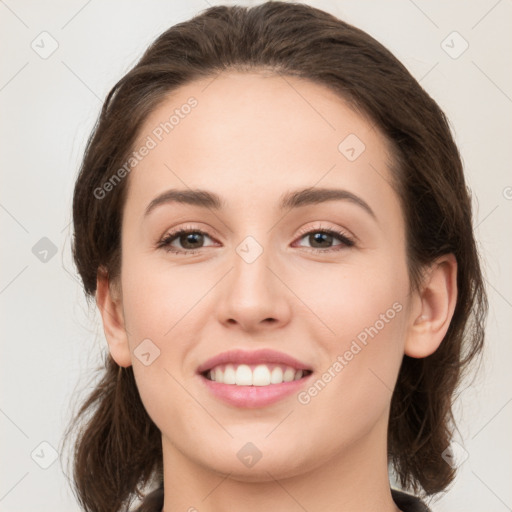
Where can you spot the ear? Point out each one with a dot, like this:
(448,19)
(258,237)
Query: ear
(109,302)
(433,308)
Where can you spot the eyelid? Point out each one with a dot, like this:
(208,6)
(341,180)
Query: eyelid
(346,238)
(342,232)
(165,241)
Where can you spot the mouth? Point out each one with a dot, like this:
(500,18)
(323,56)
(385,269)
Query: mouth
(254,374)
(253,379)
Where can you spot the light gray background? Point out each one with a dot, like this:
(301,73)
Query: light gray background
(51,339)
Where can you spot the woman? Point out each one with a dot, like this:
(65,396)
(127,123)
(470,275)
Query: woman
(272,217)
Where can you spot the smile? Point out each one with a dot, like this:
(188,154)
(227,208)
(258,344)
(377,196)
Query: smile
(252,379)
(254,375)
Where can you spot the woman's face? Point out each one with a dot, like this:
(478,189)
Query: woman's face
(320,277)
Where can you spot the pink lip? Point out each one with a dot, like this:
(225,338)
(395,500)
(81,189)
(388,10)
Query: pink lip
(252,397)
(254,357)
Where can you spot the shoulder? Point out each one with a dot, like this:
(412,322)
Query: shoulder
(153,502)
(408,502)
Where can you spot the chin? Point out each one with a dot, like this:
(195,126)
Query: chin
(262,468)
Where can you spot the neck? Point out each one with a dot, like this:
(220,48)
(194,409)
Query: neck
(354,479)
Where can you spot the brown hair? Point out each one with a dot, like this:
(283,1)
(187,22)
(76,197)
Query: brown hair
(118,450)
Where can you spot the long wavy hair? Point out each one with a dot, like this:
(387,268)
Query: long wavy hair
(117,451)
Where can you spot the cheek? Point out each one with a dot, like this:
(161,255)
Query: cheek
(372,308)
(348,299)
(364,308)
(158,298)
(165,307)
(161,318)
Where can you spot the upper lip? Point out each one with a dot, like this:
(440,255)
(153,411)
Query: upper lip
(253,357)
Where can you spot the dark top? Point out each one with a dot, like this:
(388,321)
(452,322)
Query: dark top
(154,502)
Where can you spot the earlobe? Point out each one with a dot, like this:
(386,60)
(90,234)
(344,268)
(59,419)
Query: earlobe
(433,308)
(110,307)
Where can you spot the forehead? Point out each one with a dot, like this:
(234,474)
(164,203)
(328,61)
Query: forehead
(247,134)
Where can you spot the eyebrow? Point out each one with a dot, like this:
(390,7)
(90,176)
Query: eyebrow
(289,200)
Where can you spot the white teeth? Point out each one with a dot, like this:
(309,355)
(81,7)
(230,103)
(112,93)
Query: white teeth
(260,375)
(277,375)
(243,376)
(229,375)
(289,375)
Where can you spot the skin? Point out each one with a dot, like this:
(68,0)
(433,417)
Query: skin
(251,138)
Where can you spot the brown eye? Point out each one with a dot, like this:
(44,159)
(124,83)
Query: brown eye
(323,240)
(186,241)
(319,240)
(191,240)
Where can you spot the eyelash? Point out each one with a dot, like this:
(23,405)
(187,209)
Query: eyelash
(165,242)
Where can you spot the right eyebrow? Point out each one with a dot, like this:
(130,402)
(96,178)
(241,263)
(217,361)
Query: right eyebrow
(195,197)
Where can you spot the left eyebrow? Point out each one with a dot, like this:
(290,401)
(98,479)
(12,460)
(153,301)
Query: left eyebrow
(312,195)
(289,200)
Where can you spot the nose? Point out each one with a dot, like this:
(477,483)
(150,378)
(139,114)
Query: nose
(254,295)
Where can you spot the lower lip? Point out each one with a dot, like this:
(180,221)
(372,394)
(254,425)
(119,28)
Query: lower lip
(252,397)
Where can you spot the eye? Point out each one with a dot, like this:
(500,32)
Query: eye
(321,240)
(190,240)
